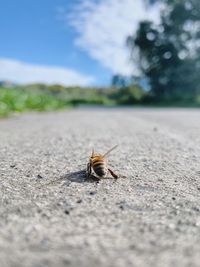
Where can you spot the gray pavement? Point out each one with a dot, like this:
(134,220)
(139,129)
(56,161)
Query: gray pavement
(51,216)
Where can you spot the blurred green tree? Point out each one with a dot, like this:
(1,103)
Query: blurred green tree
(169,53)
(119,81)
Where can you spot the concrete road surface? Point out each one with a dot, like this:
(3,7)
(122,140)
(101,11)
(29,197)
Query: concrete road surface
(50,215)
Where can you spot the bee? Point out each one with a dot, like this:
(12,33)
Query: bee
(99,165)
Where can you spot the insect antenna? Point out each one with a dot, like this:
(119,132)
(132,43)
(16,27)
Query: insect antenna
(108,152)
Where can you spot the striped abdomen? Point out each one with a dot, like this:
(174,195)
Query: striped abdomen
(100,167)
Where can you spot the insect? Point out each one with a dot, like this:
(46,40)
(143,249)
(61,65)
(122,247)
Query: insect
(99,165)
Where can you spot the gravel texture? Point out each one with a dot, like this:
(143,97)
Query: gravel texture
(50,215)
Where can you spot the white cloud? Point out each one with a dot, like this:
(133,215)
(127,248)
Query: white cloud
(103,27)
(24,73)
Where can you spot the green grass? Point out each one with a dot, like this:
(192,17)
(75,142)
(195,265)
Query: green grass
(20,100)
(49,98)
(40,97)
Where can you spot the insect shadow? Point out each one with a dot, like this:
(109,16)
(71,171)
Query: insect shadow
(79,177)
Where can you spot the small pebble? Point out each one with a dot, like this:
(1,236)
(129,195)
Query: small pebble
(67,212)
(121,207)
(92,193)
(12,165)
(196,209)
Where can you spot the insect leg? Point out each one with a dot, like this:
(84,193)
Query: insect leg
(113,174)
(89,170)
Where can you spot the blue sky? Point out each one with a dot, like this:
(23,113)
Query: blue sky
(66,41)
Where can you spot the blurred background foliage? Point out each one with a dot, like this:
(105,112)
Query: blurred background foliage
(167,54)
(40,97)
